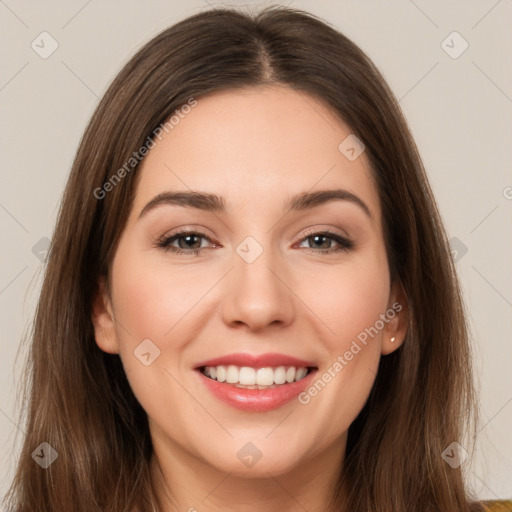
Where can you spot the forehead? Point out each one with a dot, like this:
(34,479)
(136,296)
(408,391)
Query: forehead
(255,147)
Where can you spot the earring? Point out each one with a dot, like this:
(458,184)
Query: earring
(392,339)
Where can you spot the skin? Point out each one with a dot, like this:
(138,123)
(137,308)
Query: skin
(255,147)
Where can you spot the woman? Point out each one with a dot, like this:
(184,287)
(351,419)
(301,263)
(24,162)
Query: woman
(194,348)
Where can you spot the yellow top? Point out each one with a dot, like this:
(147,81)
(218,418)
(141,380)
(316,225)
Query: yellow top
(498,506)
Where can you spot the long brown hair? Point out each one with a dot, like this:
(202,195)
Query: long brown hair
(77,397)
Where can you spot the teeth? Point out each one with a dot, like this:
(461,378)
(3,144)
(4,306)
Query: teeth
(265,377)
(232,375)
(290,374)
(301,373)
(255,378)
(280,375)
(246,376)
(220,371)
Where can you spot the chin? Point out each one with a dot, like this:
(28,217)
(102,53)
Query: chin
(257,458)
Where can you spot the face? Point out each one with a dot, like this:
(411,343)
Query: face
(288,302)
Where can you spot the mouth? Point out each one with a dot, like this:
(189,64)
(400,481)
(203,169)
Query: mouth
(246,377)
(256,383)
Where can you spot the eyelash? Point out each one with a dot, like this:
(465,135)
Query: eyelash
(165,242)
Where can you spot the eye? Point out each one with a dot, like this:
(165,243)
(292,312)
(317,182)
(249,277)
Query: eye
(188,242)
(320,238)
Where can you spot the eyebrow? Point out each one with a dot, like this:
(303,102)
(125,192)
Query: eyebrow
(214,203)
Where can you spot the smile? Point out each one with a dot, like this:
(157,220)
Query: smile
(246,377)
(255,383)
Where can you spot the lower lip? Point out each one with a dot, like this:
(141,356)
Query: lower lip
(256,400)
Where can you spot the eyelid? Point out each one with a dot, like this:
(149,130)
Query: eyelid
(165,240)
(315,230)
(185,229)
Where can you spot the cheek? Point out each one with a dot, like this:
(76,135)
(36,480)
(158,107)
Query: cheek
(351,307)
(154,302)
(348,298)
(157,301)
(153,298)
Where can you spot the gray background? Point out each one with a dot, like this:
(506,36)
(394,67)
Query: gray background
(458,109)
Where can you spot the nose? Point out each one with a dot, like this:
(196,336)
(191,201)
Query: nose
(258,293)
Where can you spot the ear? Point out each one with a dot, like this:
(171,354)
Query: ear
(103,319)
(397,313)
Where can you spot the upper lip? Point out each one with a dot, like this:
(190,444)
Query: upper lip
(256,361)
